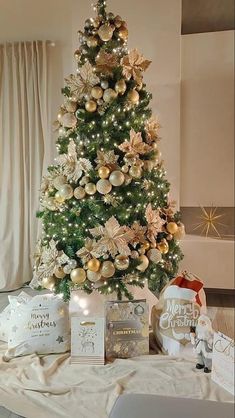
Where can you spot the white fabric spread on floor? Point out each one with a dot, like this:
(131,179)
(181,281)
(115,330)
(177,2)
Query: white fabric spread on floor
(51,387)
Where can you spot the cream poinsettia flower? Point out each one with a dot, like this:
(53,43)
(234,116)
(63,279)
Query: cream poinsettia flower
(135,145)
(133,65)
(106,158)
(105,62)
(152,127)
(72,166)
(81,84)
(114,238)
(139,233)
(154,221)
(90,250)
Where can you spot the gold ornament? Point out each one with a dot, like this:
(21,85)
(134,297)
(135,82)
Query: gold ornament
(78,275)
(91,106)
(134,146)
(92,42)
(144,247)
(123,33)
(97,92)
(69,120)
(59,181)
(59,198)
(105,32)
(169,237)
(135,172)
(79,193)
(107,269)
(71,106)
(133,97)
(180,234)
(77,54)
(122,262)
(105,63)
(109,95)
(103,186)
(90,188)
(144,262)
(93,276)
(118,21)
(48,283)
(59,273)
(172,227)
(66,191)
(133,65)
(154,255)
(116,178)
(120,86)
(93,265)
(104,172)
(163,246)
(125,169)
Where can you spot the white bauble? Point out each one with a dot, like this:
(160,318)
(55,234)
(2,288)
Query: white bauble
(69,120)
(116,178)
(59,181)
(66,191)
(103,186)
(93,276)
(79,193)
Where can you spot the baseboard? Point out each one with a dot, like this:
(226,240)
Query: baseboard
(216,291)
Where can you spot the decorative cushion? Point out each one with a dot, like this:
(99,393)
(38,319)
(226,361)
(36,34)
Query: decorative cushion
(5,315)
(40,325)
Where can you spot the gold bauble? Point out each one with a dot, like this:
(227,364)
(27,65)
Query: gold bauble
(123,33)
(154,146)
(92,42)
(133,97)
(78,275)
(90,188)
(104,186)
(93,276)
(135,172)
(122,262)
(107,269)
(97,92)
(144,247)
(59,273)
(59,198)
(154,255)
(48,282)
(69,120)
(169,237)
(104,172)
(105,32)
(77,54)
(79,193)
(120,86)
(163,246)
(59,181)
(91,106)
(172,227)
(125,169)
(71,106)
(93,265)
(180,234)
(118,21)
(66,191)
(109,95)
(116,178)
(144,262)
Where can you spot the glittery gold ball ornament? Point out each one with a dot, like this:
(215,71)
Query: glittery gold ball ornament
(120,86)
(104,186)
(91,106)
(59,198)
(172,227)
(180,234)
(48,282)
(66,191)
(154,255)
(116,178)
(135,172)
(133,97)
(163,246)
(69,120)
(144,247)
(59,181)
(109,95)
(105,32)
(144,262)
(123,33)
(121,262)
(93,276)
(79,193)
(59,273)
(90,188)
(125,169)
(107,269)
(104,172)
(77,54)
(92,42)
(93,265)
(71,106)
(78,275)
(97,92)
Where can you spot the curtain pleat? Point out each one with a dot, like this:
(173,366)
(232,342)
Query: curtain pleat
(24,135)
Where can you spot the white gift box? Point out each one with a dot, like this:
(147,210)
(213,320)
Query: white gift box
(223,362)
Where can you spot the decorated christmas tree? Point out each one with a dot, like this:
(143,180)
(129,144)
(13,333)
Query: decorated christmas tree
(107,219)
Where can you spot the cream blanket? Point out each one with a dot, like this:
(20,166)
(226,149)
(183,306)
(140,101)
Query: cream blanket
(50,387)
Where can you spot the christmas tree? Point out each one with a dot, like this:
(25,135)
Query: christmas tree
(106,216)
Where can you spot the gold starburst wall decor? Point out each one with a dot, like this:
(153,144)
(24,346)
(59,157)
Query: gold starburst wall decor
(209,221)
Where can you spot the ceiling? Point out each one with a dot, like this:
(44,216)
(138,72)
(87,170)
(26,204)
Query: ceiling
(207,15)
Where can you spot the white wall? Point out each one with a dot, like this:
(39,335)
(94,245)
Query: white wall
(207,116)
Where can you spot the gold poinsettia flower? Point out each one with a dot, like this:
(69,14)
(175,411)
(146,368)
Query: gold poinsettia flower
(139,233)
(154,221)
(72,166)
(114,238)
(133,65)
(89,251)
(152,127)
(136,145)
(106,158)
(81,84)
(105,62)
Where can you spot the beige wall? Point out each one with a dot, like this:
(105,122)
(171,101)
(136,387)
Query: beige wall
(207,116)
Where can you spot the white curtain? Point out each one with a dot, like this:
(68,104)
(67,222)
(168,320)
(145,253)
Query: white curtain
(24,139)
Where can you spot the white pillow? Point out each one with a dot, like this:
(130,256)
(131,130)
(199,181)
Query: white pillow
(5,316)
(40,326)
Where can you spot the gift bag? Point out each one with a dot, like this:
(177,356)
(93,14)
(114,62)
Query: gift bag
(223,362)
(175,315)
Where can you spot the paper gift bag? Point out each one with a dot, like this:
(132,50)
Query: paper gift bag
(223,362)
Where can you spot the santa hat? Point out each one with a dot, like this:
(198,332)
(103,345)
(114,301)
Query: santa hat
(186,287)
